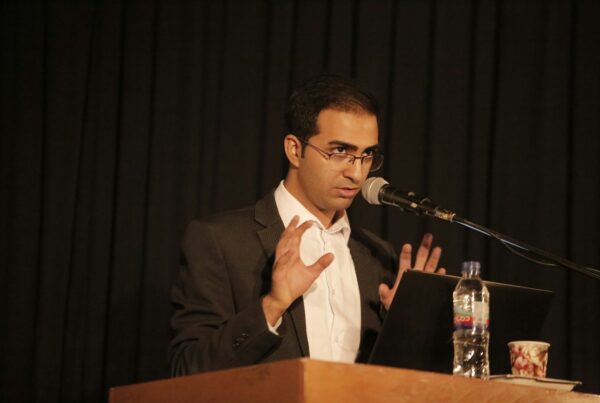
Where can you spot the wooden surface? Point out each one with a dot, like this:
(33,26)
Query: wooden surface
(306,380)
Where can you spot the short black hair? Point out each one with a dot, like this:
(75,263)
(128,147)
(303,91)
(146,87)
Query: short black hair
(325,91)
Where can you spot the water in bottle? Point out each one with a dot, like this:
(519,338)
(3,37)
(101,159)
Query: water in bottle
(471,321)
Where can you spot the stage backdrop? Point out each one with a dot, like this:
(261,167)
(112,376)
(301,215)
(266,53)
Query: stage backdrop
(120,121)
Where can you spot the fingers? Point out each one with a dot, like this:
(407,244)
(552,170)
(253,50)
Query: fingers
(399,274)
(282,258)
(302,228)
(288,247)
(290,238)
(294,230)
(405,257)
(284,239)
(292,225)
(321,264)
(423,252)
(433,260)
(426,258)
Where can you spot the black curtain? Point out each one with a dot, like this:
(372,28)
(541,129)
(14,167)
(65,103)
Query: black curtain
(120,121)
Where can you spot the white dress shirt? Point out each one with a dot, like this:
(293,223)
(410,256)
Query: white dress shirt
(332,303)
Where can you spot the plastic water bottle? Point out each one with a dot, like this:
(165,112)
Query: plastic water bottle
(471,322)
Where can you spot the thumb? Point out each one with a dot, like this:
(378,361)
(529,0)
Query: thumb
(384,291)
(385,295)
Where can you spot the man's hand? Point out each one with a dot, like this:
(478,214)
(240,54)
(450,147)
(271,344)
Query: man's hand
(425,261)
(291,277)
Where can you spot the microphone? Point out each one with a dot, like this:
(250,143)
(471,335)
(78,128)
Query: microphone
(378,190)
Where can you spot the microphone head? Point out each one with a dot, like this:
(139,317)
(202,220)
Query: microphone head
(370,189)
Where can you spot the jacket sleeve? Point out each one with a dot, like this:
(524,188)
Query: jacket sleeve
(211,331)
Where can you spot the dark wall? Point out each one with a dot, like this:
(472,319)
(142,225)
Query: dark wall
(120,121)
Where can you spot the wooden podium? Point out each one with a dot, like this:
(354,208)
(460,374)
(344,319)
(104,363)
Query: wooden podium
(305,380)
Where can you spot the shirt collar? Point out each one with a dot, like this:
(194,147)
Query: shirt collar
(288,206)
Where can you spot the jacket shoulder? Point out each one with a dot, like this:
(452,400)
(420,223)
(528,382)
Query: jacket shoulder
(258,215)
(378,247)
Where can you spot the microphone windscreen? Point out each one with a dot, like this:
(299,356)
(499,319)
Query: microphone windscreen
(370,189)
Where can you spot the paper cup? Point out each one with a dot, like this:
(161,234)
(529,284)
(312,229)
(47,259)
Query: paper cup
(529,358)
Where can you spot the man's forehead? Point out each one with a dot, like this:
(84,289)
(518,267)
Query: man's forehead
(359,130)
(344,116)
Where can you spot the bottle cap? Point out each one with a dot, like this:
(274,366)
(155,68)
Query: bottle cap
(471,267)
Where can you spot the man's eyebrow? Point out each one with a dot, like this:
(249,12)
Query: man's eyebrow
(352,147)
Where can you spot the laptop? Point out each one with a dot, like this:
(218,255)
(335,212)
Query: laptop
(417,330)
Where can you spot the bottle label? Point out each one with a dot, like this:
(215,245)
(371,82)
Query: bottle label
(479,317)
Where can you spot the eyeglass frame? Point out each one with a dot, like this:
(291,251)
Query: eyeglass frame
(351,157)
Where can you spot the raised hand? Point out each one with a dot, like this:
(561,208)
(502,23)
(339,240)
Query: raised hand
(291,277)
(426,260)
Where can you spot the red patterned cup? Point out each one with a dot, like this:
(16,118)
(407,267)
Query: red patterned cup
(529,358)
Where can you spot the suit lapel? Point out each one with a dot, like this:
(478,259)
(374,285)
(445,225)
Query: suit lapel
(365,275)
(266,214)
(374,261)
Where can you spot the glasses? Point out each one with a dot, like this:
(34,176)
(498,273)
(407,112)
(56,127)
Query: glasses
(341,161)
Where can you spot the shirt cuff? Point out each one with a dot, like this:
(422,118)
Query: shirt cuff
(273,329)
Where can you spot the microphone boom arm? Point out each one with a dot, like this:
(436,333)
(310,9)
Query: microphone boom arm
(378,191)
(550,258)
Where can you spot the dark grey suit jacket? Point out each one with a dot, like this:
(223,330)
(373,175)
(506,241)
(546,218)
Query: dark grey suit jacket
(226,269)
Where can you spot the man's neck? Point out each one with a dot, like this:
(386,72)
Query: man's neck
(326,218)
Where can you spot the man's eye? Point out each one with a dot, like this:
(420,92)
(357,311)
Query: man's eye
(339,150)
(370,153)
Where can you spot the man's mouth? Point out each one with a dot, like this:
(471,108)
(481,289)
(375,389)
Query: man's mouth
(348,192)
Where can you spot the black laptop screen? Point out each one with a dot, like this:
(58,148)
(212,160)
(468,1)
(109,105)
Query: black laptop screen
(417,331)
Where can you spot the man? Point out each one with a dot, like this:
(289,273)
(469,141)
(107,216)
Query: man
(289,277)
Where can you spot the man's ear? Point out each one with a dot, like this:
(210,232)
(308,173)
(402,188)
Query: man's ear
(293,149)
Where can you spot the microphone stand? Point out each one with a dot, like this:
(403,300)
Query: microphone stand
(426,207)
(550,258)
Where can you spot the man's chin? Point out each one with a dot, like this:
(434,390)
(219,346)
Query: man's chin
(342,203)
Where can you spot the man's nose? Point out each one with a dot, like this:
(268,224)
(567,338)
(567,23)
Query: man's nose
(354,171)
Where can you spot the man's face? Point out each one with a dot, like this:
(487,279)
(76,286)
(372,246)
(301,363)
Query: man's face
(322,187)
